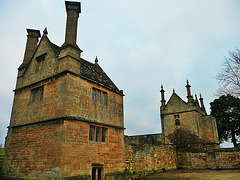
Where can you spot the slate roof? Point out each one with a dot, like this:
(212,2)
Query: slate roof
(95,73)
(87,69)
(92,71)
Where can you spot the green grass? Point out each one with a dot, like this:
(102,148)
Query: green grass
(155,179)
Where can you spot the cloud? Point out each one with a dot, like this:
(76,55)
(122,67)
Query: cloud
(140,44)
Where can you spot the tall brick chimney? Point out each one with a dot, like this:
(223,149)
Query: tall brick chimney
(32,41)
(73,9)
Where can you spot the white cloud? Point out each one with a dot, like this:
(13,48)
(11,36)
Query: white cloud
(140,44)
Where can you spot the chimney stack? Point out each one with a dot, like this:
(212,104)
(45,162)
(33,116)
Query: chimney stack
(32,41)
(73,9)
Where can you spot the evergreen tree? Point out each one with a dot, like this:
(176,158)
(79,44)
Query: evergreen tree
(226,110)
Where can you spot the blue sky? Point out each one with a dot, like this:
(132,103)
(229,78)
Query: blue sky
(140,44)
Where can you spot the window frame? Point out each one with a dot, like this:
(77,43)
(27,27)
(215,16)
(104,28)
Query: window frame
(99,96)
(94,93)
(97,134)
(177,120)
(92,133)
(37,94)
(104,96)
(40,62)
(104,135)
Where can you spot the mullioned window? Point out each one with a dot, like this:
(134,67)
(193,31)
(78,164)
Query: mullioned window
(99,96)
(37,94)
(97,134)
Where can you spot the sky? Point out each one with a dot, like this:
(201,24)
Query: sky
(140,44)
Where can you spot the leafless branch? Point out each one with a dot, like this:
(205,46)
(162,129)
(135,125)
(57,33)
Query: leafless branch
(229,78)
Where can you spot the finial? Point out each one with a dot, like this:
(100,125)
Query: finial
(162,90)
(188,85)
(163,101)
(202,104)
(96,60)
(189,96)
(173,90)
(45,32)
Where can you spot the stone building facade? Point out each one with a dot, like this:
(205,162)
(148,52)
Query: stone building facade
(191,115)
(67,117)
(67,114)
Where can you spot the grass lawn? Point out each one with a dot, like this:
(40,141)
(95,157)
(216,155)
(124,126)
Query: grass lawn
(155,179)
(203,174)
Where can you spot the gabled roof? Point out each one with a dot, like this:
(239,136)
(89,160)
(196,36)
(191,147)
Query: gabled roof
(87,69)
(96,73)
(174,97)
(53,46)
(91,71)
(176,102)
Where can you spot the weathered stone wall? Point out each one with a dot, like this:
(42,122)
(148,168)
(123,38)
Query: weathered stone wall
(61,148)
(51,64)
(79,102)
(188,120)
(154,139)
(52,106)
(78,153)
(191,117)
(148,158)
(66,96)
(209,159)
(209,127)
(34,150)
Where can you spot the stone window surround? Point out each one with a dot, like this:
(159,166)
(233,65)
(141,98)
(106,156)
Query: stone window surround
(177,119)
(37,94)
(99,96)
(97,134)
(40,62)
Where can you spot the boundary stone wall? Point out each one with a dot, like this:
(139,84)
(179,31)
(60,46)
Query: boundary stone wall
(224,158)
(149,158)
(153,139)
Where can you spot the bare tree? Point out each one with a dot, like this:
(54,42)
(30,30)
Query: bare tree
(229,78)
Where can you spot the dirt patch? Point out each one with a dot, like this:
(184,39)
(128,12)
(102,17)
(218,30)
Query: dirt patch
(199,174)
